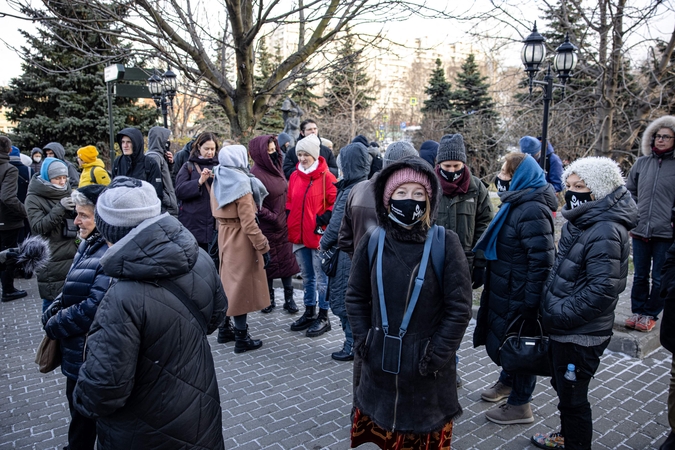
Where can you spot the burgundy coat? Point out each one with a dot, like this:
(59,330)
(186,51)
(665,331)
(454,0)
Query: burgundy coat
(194,210)
(272,215)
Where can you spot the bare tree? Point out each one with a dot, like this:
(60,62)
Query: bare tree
(199,38)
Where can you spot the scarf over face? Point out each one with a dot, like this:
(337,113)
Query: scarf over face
(459,186)
(232,179)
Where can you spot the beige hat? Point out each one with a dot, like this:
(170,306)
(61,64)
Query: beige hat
(310,145)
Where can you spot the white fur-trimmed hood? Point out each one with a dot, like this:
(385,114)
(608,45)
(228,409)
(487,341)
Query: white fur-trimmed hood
(661,122)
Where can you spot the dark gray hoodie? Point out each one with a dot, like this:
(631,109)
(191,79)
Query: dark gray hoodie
(157,139)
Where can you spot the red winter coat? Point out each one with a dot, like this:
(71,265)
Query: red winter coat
(309,195)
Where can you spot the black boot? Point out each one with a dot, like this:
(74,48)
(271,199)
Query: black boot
(289,303)
(226,332)
(272,304)
(320,325)
(243,341)
(305,320)
(346,354)
(9,292)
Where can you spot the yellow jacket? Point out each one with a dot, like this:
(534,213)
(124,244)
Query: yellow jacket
(100,174)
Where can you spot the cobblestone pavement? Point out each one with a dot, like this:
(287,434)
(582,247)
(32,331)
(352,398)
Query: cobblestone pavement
(291,395)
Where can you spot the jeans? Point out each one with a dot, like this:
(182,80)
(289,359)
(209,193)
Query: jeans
(82,430)
(313,278)
(522,387)
(576,420)
(648,256)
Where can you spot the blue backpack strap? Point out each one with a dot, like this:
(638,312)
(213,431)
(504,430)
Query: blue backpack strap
(438,253)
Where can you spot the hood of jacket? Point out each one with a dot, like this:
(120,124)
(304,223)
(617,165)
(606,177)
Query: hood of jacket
(45,189)
(157,137)
(544,194)
(355,162)
(136,140)
(160,247)
(257,148)
(661,122)
(57,148)
(418,232)
(618,207)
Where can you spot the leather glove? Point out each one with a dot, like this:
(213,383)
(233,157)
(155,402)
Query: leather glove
(68,203)
(324,218)
(266,260)
(478,277)
(51,311)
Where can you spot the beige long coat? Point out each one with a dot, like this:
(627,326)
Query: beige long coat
(242,245)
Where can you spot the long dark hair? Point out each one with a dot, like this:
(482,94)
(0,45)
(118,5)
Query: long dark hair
(203,138)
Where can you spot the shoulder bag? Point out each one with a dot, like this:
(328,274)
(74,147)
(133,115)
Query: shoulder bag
(48,356)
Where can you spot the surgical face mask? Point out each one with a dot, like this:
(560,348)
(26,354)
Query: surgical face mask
(37,158)
(451,176)
(574,199)
(407,212)
(501,185)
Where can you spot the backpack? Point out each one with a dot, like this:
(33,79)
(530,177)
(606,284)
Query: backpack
(437,249)
(93,177)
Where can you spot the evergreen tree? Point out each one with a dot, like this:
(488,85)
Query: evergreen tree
(471,94)
(438,91)
(61,95)
(301,91)
(272,122)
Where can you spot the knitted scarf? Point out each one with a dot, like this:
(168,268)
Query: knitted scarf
(457,187)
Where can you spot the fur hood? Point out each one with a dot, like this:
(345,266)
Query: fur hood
(418,233)
(661,122)
(601,175)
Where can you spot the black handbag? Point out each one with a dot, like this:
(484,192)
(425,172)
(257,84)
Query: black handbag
(525,354)
(329,261)
(69,229)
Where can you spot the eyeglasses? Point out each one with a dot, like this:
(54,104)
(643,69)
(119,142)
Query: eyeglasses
(662,137)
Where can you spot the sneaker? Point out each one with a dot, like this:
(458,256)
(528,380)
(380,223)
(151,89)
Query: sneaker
(506,414)
(631,321)
(646,323)
(498,392)
(553,439)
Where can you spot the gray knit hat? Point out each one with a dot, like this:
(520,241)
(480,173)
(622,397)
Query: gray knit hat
(601,175)
(57,169)
(398,150)
(123,205)
(451,148)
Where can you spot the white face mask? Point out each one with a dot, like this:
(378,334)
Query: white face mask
(37,158)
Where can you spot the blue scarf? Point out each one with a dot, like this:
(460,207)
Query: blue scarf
(528,175)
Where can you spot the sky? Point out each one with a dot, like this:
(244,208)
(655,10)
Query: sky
(525,12)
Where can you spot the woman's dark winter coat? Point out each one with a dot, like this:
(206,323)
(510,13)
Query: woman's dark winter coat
(195,202)
(591,268)
(423,396)
(668,292)
(148,377)
(85,286)
(137,165)
(355,163)
(12,211)
(515,281)
(46,215)
(272,214)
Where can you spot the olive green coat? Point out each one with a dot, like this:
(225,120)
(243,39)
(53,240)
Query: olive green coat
(468,215)
(45,215)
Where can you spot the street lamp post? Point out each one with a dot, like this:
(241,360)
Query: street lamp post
(533,54)
(163,89)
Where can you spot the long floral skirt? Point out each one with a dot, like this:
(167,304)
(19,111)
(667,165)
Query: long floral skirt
(365,430)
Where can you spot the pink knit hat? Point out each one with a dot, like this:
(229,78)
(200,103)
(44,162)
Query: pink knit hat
(405,175)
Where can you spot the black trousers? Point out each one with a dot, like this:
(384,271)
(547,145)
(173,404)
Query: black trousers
(8,239)
(576,419)
(82,430)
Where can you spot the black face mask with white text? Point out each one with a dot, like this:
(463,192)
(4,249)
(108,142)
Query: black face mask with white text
(407,212)
(451,176)
(502,185)
(574,199)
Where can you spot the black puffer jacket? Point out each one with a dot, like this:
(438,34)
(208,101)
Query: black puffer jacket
(148,376)
(423,396)
(591,267)
(668,292)
(83,290)
(515,281)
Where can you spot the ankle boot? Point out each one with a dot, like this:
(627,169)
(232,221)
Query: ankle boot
(272,304)
(226,332)
(306,320)
(320,325)
(289,303)
(346,354)
(243,341)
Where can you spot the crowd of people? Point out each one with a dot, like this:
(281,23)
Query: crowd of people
(151,257)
